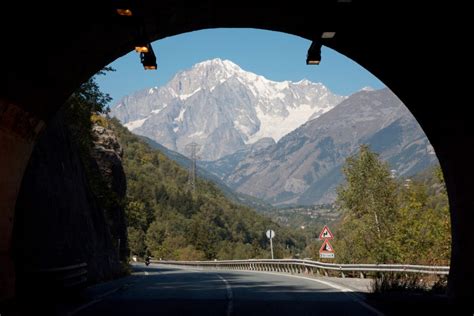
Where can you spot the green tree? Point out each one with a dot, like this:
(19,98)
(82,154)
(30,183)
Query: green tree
(423,230)
(190,253)
(155,236)
(136,241)
(181,224)
(85,101)
(369,204)
(136,215)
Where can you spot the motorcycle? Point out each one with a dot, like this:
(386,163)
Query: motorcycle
(147,261)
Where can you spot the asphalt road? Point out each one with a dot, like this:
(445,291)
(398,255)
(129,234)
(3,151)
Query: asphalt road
(165,290)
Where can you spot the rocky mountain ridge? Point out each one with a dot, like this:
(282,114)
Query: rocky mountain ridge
(222,107)
(304,167)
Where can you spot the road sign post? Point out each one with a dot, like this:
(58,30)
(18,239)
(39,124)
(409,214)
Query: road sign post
(270,235)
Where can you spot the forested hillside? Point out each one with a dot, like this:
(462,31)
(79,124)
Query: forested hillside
(384,219)
(169,221)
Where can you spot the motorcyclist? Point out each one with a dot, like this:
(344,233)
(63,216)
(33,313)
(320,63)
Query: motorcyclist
(147,260)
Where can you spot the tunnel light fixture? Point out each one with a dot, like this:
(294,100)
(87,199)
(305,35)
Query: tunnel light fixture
(124,12)
(124,7)
(314,53)
(142,44)
(328,34)
(148,59)
(142,48)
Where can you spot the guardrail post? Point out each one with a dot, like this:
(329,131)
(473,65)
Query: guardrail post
(361,275)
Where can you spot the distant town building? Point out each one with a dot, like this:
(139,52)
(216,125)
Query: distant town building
(393,173)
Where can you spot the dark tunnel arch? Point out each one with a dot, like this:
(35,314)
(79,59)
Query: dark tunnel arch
(400,52)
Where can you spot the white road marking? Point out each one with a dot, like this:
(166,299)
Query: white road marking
(146,272)
(230,296)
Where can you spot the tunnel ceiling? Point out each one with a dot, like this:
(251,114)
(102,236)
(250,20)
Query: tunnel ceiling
(52,48)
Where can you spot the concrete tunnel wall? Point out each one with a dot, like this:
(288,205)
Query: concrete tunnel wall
(398,51)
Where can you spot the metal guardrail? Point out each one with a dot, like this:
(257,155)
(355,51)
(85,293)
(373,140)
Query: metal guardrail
(66,277)
(308,266)
(57,281)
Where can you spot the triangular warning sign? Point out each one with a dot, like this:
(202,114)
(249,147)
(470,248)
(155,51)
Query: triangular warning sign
(326,233)
(326,247)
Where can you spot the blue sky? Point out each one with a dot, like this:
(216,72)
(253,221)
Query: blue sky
(276,56)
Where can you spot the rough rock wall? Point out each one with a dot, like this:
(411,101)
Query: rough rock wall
(59,220)
(106,162)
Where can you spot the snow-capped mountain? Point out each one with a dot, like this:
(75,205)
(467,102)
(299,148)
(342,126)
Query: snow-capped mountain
(223,108)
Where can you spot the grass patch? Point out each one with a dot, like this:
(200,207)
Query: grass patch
(415,283)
